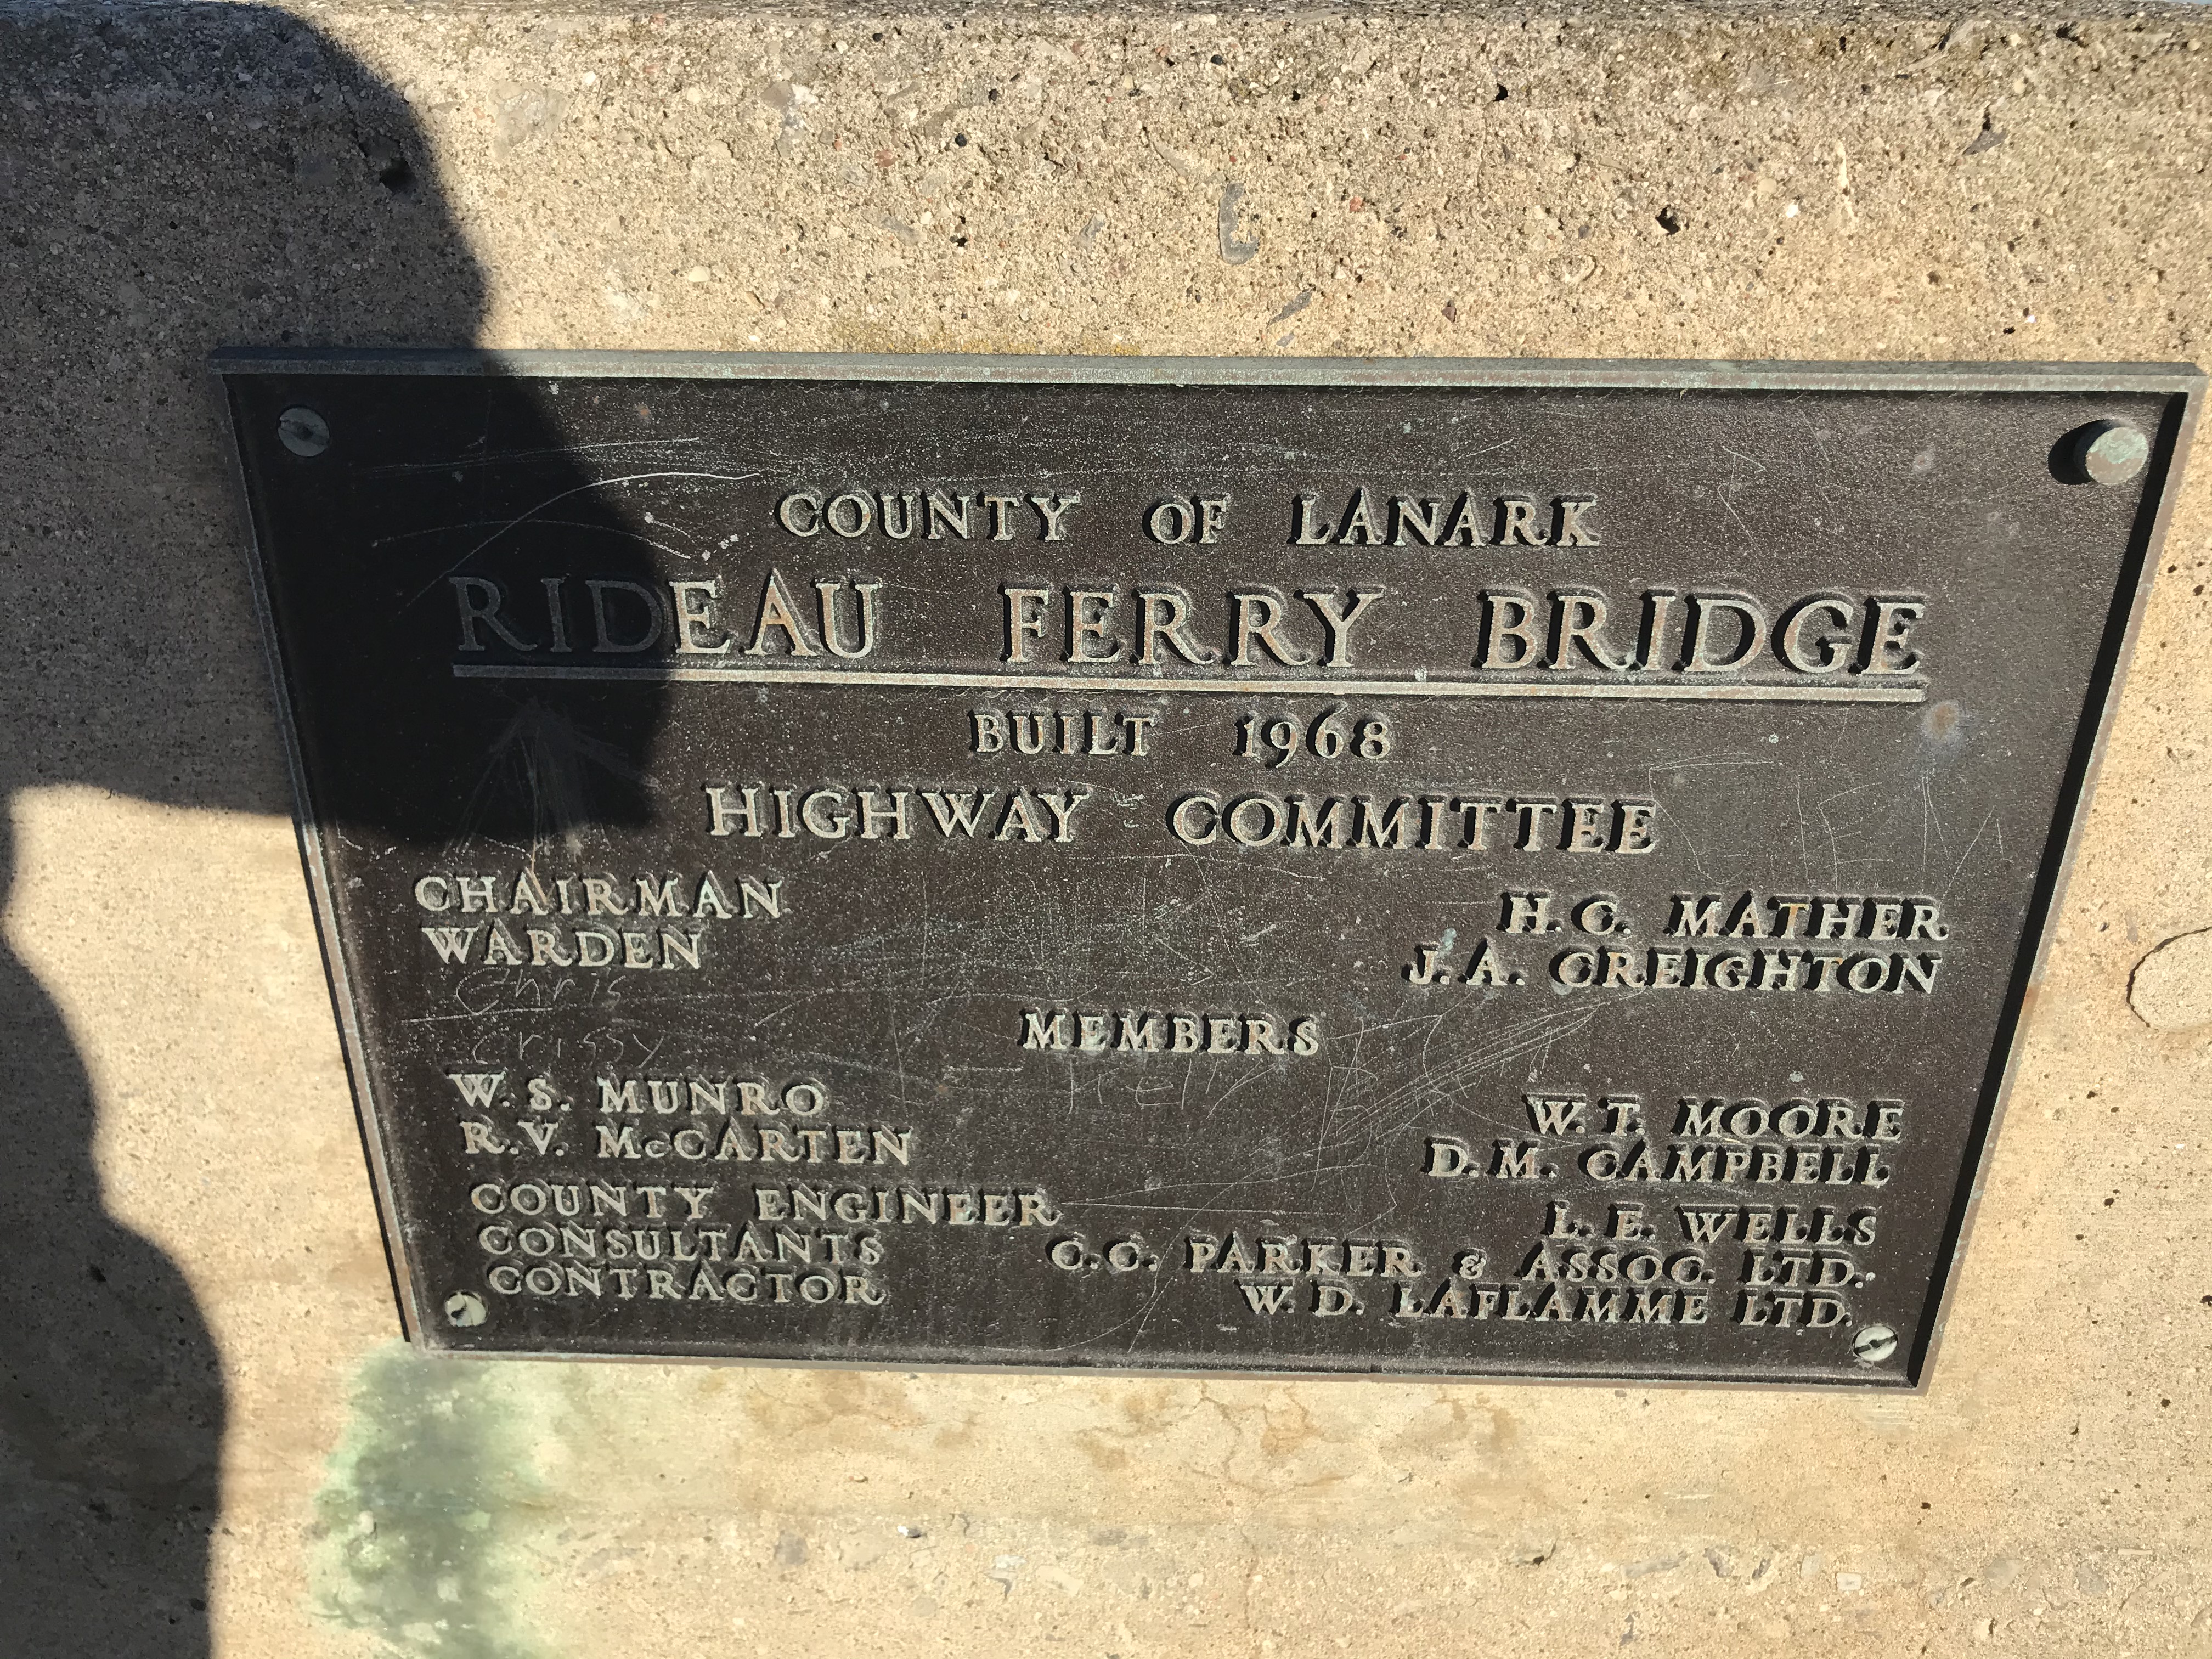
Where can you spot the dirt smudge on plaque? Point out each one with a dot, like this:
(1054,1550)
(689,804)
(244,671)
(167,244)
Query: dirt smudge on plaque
(416,1523)
(1943,722)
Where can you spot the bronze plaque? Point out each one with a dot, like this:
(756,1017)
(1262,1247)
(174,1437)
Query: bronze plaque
(1420,868)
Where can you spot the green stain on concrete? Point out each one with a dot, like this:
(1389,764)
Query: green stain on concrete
(425,1508)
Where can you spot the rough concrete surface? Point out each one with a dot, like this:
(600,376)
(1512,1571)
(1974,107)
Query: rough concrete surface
(209,1438)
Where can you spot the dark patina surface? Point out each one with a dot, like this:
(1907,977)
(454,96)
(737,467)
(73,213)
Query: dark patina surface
(1085,931)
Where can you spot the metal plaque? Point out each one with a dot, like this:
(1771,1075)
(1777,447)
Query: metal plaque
(1420,868)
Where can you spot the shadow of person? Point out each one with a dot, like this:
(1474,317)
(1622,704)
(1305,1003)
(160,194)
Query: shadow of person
(180,179)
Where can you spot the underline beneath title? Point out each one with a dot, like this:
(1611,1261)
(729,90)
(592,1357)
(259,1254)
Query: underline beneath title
(1449,690)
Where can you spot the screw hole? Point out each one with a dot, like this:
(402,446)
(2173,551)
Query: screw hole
(389,163)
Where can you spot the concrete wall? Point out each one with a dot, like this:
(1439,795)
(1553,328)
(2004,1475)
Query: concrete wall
(208,1436)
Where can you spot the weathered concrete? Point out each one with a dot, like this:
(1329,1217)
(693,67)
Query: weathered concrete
(1660,183)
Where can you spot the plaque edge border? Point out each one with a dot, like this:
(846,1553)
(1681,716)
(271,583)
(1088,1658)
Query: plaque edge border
(1547,373)
(2184,382)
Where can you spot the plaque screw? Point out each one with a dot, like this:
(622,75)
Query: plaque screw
(302,431)
(2110,451)
(1870,1346)
(464,1308)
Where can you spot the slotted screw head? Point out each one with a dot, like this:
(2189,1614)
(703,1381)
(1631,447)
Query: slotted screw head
(302,431)
(1872,1344)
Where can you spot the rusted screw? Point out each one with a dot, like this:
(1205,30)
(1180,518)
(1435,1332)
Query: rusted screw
(302,431)
(1872,1344)
(2113,452)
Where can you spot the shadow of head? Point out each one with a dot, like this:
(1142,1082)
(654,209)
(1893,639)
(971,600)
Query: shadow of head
(181,179)
(178,178)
